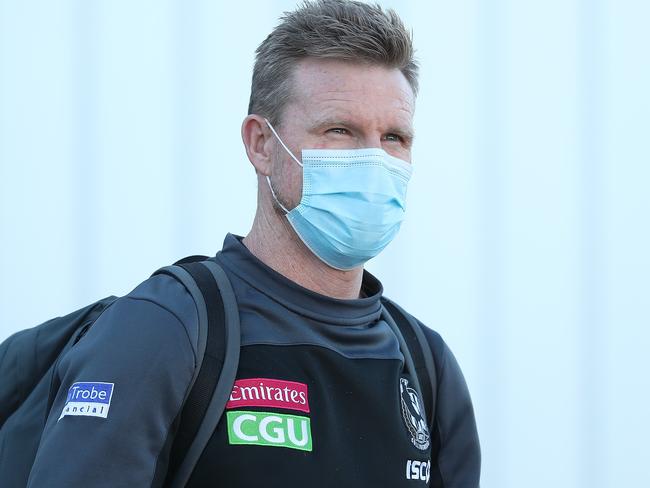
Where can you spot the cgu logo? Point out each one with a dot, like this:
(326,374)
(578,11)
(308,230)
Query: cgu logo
(269,429)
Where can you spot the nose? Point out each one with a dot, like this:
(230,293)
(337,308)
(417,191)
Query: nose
(372,140)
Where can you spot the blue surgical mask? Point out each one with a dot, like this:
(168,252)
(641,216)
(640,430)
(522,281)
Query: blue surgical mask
(352,204)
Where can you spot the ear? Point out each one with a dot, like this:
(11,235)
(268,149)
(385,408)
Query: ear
(257,140)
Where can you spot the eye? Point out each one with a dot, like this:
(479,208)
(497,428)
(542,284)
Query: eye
(339,131)
(405,141)
(393,138)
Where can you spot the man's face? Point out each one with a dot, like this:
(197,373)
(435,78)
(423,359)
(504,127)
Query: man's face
(340,105)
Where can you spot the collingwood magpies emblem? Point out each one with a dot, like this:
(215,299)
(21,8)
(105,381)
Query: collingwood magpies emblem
(413,415)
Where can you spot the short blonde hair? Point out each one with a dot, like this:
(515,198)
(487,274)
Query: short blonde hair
(334,29)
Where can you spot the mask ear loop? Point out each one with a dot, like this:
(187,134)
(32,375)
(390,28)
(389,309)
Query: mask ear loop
(268,179)
(283,145)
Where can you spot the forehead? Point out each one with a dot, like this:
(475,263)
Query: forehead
(366,93)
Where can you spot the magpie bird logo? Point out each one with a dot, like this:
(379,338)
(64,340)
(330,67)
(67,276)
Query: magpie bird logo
(413,415)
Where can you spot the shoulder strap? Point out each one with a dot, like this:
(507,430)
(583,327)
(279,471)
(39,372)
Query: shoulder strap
(421,354)
(218,357)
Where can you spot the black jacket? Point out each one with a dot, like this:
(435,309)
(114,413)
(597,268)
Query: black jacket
(321,398)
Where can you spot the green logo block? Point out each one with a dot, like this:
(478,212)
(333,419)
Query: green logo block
(269,429)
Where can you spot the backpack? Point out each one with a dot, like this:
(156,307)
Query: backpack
(29,358)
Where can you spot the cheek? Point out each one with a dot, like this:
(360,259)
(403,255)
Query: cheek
(398,151)
(294,185)
(288,181)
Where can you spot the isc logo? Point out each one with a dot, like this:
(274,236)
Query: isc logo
(418,470)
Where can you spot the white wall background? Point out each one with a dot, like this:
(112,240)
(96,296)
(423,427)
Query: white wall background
(527,238)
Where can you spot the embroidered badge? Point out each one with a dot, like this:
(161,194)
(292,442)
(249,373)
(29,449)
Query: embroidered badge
(88,400)
(269,429)
(247,427)
(266,392)
(413,415)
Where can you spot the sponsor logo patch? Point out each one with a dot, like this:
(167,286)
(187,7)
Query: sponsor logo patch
(266,392)
(413,415)
(88,400)
(418,470)
(269,429)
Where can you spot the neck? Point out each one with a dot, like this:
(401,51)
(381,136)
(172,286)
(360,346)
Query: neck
(273,241)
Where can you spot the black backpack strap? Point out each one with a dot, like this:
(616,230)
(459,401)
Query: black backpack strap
(218,354)
(422,357)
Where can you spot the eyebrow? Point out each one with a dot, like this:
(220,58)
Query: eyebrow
(407,133)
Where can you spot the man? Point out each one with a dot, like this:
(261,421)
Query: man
(321,397)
